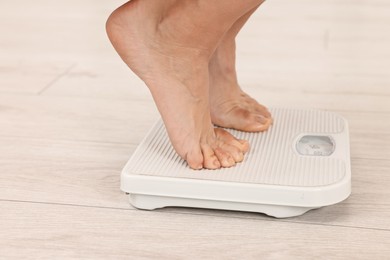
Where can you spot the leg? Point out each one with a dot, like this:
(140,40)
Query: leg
(230,106)
(168,44)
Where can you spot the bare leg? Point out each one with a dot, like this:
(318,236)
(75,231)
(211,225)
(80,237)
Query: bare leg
(230,106)
(168,44)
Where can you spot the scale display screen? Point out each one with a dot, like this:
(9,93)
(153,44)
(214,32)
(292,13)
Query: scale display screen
(315,145)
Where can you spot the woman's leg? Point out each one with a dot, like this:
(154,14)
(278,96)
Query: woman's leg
(230,106)
(168,44)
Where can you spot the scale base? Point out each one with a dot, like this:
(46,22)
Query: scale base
(150,202)
(301,163)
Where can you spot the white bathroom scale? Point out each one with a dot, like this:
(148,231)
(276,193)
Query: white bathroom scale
(301,163)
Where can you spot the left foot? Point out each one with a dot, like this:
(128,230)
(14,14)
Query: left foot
(164,50)
(231,107)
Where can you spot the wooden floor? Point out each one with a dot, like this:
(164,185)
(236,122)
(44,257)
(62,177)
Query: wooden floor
(71,114)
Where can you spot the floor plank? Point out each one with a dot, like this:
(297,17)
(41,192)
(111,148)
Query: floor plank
(29,77)
(52,231)
(47,30)
(67,172)
(116,121)
(76,118)
(100,80)
(88,173)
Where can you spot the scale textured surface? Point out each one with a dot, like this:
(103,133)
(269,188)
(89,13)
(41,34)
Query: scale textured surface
(272,159)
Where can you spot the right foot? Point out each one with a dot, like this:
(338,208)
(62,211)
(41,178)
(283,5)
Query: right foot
(231,107)
(161,52)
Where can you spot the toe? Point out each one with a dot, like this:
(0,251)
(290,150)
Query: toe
(210,159)
(259,108)
(244,120)
(235,152)
(228,138)
(258,123)
(195,160)
(224,158)
(266,122)
(262,110)
(244,145)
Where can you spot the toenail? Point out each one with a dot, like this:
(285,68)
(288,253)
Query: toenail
(197,167)
(262,119)
(240,157)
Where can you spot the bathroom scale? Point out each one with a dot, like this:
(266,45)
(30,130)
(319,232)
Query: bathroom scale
(301,162)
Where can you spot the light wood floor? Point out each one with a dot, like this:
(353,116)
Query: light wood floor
(71,114)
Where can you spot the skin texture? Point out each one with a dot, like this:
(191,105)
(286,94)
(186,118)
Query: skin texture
(177,47)
(230,106)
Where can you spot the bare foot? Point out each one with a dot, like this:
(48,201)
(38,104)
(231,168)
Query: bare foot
(174,66)
(230,106)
